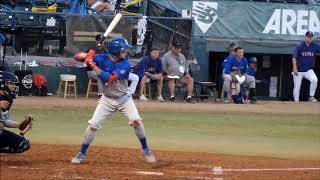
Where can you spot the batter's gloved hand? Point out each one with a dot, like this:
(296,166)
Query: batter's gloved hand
(80,56)
(26,125)
(89,58)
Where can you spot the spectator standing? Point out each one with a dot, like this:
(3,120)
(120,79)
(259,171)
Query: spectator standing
(303,60)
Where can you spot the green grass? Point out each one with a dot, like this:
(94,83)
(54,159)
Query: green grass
(273,135)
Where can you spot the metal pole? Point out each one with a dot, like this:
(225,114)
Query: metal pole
(280,78)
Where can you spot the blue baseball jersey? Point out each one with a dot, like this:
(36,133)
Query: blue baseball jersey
(225,60)
(2,39)
(305,55)
(252,71)
(231,64)
(121,68)
(148,65)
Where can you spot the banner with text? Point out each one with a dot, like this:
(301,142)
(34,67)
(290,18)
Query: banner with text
(259,20)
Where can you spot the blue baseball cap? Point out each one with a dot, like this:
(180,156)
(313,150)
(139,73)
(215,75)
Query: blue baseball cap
(309,34)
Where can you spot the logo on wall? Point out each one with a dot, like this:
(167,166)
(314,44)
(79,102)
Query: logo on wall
(204,14)
(27,81)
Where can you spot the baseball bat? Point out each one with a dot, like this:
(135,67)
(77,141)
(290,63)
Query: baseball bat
(111,26)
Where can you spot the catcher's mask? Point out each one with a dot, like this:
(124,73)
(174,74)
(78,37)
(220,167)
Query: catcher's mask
(9,84)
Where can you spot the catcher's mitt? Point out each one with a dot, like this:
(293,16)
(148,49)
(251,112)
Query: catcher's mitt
(25,125)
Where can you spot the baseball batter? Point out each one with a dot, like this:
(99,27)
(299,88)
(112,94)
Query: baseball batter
(303,58)
(113,69)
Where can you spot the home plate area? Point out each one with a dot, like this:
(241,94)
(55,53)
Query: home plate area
(106,163)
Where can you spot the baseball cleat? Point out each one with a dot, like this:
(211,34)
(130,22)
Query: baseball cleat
(172,99)
(254,100)
(189,100)
(312,99)
(149,157)
(143,98)
(79,159)
(160,98)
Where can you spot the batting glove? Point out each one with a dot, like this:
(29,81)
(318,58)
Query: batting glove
(89,58)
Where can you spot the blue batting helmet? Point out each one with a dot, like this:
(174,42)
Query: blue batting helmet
(116,45)
(252,60)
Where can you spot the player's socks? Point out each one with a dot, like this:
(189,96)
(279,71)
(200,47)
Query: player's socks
(144,144)
(225,95)
(141,134)
(88,138)
(84,148)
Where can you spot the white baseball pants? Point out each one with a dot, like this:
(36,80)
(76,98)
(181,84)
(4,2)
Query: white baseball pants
(297,79)
(107,106)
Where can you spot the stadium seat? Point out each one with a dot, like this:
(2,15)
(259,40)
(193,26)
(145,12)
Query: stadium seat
(207,89)
(28,20)
(40,3)
(6,20)
(293,1)
(23,5)
(277,1)
(91,84)
(51,21)
(147,89)
(62,7)
(67,81)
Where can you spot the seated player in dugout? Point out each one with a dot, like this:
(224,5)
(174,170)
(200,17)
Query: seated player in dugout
(252,69)
(231,48)
(11,142)
(150,67)
(236,69)
(175,64)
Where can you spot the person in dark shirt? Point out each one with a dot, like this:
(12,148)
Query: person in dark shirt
(303,59)
(150,68)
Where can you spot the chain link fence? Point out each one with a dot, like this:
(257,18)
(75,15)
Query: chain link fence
(47,34)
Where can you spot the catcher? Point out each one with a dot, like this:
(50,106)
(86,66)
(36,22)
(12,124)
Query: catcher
(11,142)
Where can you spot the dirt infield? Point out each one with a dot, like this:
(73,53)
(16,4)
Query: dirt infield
(107,163)
(104,163)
